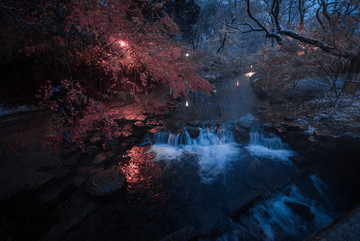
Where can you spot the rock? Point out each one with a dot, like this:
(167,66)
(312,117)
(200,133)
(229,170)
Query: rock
(96,139)
(301,210)
(105,182)
(139,124)
(99,159)
(281,130)
(140,118)
(277,101)
(289,118)
(293,126)
(262,108)
(194,123)
(152,122)
(241,135)
(194,132)
(155,129)
(298,159)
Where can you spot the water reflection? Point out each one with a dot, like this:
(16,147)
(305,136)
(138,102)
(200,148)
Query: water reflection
(142,175)
(225,103)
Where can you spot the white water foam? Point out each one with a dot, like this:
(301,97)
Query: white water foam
(274,220)
(214,150)
(268,147)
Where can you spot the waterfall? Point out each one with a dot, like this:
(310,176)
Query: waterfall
(273,143)
(213,149)
(207,136)
(288,215)
(268,147)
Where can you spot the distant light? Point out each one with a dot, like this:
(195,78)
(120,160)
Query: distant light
(250,66)
(249,74)
(237,83)
(187,54)
(214,91)
(122,43)
(187,103)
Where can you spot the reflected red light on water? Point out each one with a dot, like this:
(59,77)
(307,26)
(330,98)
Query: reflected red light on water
(140,170)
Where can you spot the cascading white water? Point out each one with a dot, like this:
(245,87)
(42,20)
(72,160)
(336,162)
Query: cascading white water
(268,147)
(273,219)
(173,139)
(213,149)
(274,143)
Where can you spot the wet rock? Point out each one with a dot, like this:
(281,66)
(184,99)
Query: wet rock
(194,132)
(193,123)
(269,126)
(241,135)
(155,129)
(244,126)
(281,130)
(301,210)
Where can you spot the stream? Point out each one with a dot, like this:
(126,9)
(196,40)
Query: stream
(226,180)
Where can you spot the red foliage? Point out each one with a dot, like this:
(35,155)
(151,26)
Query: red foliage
(100,46)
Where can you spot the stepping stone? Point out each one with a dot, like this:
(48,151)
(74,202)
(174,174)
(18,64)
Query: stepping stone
(105,182)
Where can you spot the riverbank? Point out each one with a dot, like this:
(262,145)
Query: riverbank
(327,139)
(43,194)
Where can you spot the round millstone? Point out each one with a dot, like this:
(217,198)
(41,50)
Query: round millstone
(105,182)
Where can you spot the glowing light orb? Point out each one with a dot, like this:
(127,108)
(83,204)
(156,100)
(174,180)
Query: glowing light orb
(237,83)
(214,91)
(187,103)
(249,74)
(122,43)
(187,54)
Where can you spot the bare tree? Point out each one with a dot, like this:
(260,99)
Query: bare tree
(332,17)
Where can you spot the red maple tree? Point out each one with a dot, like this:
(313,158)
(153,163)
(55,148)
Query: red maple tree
(96,47)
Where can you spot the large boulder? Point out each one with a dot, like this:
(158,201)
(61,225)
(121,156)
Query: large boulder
(241,135)
(194,132)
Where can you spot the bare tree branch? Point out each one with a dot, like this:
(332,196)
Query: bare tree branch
(280,31)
